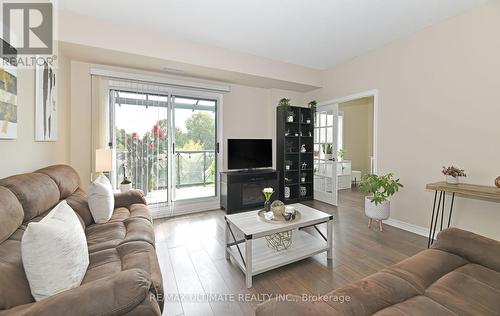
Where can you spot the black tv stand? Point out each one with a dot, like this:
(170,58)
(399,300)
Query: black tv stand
(242,190)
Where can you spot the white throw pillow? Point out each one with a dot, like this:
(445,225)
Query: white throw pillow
(54,252)
(101,199)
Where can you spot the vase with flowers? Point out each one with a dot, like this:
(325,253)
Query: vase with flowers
(452,173)
(268,192)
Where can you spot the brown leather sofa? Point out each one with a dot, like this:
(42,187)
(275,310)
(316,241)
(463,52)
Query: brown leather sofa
(459,275)
(123,277)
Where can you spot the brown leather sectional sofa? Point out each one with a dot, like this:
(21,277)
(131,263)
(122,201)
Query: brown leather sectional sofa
(459,275)
(123,276)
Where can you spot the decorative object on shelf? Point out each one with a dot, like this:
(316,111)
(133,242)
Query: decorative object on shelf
(380,189)
(8,108)
(310,134)
(312,106)
(126,184)
(296,134)
(303,191)
(303,148)
(287,132)
(280,241)
(289,147)
(303,177)
(308,121)
(278,208)
(497,182)
(327,151)
(268,192)
(290,116)
(45,103)
(341,154)
(287,192)
(288,164)
(304,165)
(278,211)
(452,173)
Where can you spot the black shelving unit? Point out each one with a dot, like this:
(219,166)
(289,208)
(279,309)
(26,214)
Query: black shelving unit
(290,136)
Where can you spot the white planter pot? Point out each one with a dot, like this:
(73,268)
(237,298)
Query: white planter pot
(302,179)
(377,212)
(125,187)
(287,167)
(290,119)
(451,179)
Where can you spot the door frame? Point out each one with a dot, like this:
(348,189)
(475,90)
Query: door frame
(170,207)
(365,94)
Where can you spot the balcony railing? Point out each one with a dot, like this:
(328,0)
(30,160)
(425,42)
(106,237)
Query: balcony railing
(195,167)
(150,172)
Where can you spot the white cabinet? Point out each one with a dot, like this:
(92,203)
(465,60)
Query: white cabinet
(344,174)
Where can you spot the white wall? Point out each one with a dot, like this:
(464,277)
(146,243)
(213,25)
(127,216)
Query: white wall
(438,105)
(23,154)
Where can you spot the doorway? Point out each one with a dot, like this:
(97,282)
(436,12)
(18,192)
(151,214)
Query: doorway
(345,143)
(166,144)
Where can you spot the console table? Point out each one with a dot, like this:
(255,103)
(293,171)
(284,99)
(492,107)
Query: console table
(472,191)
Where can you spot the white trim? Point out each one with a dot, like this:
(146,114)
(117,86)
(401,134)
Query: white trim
(419,230)
(184,208)
(126,74)
(369,93)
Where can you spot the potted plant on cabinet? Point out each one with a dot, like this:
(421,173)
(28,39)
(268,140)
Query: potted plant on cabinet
(452,173)
(312,106)
(303,177)
(290,114)
(288,164)
(379,188)
(327,151)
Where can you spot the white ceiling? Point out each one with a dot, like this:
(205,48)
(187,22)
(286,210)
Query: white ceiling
(313,33)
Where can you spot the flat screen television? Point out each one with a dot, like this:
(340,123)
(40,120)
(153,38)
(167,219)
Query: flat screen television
(249,153)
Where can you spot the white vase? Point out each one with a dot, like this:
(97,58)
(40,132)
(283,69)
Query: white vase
(303,179)
(290,118)
(287,167)
(378,212)
(125,187)
(287,192)
(451,179)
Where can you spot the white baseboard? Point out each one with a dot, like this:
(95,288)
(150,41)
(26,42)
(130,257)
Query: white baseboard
(184,208)
(419,230)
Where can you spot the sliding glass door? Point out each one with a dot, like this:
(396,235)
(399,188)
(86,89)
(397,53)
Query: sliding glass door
(165,144)
(195,140)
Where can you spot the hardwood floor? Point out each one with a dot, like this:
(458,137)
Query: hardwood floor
(191,254)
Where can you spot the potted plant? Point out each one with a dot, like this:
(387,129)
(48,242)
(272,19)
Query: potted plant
(268,192)
(341,154)
(379,188)
(290,114)
(126,184)
(312,106)
(288,164)
(452,173)
(327,151)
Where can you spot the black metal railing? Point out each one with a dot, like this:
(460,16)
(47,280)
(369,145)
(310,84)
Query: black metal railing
(195,167)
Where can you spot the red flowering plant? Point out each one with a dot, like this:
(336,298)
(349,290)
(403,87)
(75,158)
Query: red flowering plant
(144,156)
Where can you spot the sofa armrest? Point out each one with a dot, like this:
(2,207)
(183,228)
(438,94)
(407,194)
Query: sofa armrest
(113,295)
(128,198)
(475,248)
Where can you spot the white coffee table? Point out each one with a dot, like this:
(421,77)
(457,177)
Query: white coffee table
(256,257)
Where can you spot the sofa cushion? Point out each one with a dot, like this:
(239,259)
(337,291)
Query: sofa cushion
(416,306)
(65,178)
(54,252)
(78,202)
(11,213)
(426,267)
(130,255)
(36,192)
(115,233)
(468,290)
(14,286)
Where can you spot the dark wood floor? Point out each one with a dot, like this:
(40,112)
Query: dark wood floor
(191,254)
